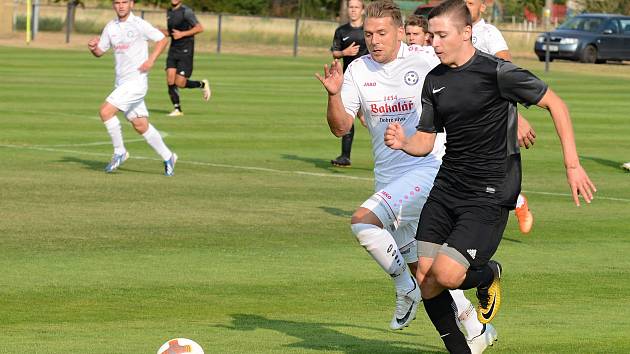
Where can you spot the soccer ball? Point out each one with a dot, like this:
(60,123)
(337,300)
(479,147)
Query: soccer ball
(180,345)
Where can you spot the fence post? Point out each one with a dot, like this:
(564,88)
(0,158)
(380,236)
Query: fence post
(547,54)
(219,33)
(295,37)
(35,19)
(142,14)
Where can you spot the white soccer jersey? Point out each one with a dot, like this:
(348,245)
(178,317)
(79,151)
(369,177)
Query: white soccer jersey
(390,93)
(129,40)
(487,38)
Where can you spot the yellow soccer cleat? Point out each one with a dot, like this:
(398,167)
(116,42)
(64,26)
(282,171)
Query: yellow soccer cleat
(490,297)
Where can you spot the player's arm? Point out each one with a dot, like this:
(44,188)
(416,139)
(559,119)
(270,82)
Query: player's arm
(419,144)
(504,54)
(577,178)
(339,121)
(157,50)
(93,47)
(198,28)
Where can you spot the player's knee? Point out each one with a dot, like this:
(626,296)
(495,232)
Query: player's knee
(364,232)
(448,280)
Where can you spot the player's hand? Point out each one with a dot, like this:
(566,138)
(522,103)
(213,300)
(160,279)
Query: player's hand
(333,78)
(352,50)
(395,136)
(177,34)
(526,134)
(146,66)
(92,43)
(580,184)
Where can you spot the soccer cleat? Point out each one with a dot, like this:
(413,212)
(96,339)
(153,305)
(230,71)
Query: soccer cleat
(169,165)
(490,296)
(341,161)
(176,113)
(206,89)
(524,216)
(484,340)
(626,166)
(116,161)
(406,307)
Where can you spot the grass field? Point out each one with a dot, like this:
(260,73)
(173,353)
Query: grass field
(247,249)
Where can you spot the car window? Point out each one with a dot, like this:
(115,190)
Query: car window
(589,24)
(625,25)
(612,25)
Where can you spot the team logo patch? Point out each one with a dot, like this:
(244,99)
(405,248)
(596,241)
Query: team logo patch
(130,34)
(474,40)
(411,78)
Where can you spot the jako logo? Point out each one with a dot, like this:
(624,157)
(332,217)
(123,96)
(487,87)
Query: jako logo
(372,84)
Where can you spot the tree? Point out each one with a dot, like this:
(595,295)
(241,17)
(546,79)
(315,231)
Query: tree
(606,6)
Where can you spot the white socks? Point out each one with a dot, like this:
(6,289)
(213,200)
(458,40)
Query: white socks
(520,201)
(115,132)
(152,136)
(466,314)
(383,248)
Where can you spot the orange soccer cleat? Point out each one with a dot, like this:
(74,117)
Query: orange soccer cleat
(523,215)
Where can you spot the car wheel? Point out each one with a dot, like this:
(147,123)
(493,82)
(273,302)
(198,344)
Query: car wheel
(542,58)
(589,54)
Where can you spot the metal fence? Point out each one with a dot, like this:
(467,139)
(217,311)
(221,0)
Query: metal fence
(243,34)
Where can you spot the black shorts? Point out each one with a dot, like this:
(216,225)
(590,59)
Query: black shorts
(471,231)
(181,59)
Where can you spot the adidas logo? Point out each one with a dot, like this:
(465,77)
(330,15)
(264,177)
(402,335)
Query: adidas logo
(472,253)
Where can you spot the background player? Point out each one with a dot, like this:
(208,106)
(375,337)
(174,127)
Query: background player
(182,28)
(462,222)
(128,35)
(349,44)
(488,39)
(417,31)
(386,223)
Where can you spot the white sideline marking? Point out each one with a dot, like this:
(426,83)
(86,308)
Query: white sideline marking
(163,134)
(262,169)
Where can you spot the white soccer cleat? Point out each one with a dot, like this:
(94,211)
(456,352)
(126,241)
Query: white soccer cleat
(169,165)
(176,113)
(626,166)
(116,161)
(484,340)
(206,89)
(406,306)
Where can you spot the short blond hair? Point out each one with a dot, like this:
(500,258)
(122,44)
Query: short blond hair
(385,8)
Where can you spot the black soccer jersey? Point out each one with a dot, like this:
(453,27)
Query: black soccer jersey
(182,19)
(476,105)
(344,36)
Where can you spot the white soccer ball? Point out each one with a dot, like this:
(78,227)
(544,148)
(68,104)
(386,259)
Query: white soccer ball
(180,345)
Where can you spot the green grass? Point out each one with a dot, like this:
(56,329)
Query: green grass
(247,249)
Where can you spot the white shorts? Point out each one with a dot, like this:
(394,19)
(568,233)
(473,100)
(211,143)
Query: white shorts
(398,205)
(128,97)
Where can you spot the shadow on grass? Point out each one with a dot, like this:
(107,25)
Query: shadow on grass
(98,165)
(608,163)
(322,163)
(337,212)
(325,336)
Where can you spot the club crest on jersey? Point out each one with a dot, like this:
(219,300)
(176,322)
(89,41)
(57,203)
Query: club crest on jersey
(474,40)
(411,78)
(130,34)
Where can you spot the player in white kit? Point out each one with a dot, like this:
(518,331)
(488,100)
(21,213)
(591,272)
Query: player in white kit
(386,84)
(488,39)
(128,36)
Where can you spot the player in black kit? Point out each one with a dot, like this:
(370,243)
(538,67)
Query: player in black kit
(473,97)
(182,28)
(349,44)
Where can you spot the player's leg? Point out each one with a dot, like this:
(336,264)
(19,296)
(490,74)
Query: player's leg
(343,160)
(523,214)
(114,103)
(184,72)
(172,61)
(138,116)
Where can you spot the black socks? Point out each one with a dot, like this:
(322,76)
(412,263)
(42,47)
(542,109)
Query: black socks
(346,143)
(173,93)
(478,277)
(442,312)
(194,84)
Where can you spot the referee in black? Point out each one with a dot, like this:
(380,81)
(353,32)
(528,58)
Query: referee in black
(182,28)
(473,97)
(349,44)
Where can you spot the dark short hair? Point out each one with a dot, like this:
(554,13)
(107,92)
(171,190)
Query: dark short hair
(456,9)
(385,8)
(415,20)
